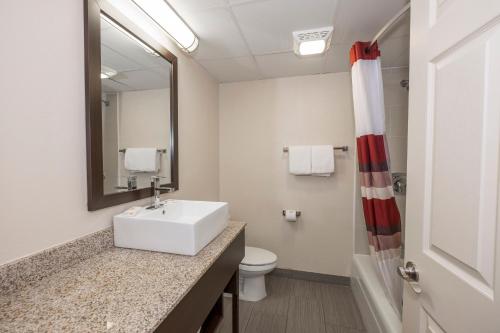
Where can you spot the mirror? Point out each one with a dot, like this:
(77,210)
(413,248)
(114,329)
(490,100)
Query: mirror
(132,118)
(135,85)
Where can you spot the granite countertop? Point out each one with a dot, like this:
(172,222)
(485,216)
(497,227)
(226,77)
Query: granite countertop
(117,290)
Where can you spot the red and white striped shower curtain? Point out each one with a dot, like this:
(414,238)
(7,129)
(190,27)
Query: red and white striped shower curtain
(381,213)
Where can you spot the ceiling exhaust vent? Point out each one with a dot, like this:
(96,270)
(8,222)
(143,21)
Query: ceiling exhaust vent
(313,41)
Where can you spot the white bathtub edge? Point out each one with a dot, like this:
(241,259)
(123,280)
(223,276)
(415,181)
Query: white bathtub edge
(367,314)
(376,311)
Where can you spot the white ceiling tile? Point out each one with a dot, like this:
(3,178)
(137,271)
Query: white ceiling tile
(116,61)
(361,19)
(143,79)
(218,33)
(239,2)
(232,69)
(162,71)
(183,6)
(112,86)
(105,25)
(268,25)
(289,64)
(137,69)
(125,46)
(213,23)
(337,59)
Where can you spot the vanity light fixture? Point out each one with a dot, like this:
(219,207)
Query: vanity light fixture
(167,18)
(312,42)
(129,35)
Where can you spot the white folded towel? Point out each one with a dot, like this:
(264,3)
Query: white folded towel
(299,160)
(141,159)
(322,160)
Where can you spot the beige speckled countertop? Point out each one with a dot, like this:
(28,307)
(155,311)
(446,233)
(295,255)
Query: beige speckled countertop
(118,290)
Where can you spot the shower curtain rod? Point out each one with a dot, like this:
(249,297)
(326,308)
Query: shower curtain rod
(389,24)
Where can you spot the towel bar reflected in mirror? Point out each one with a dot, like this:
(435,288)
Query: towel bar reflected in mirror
(161,151)
(343,148)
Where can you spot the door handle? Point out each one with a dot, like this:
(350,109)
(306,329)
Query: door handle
(409,273)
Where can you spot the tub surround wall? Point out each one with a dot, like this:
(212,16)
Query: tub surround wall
(396,123)
(258,118)
(42,129)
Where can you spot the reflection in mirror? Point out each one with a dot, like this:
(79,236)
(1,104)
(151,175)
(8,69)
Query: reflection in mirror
(136,128)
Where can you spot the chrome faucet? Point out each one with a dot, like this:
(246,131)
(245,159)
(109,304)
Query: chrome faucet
(157,188)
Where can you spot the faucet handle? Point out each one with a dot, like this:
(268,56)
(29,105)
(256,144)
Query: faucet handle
(155,184)
(156,180)
(168,189)
(153,178)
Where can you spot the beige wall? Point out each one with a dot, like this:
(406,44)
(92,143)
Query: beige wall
(257,119)
(396,123)
(42,123)
(144,121)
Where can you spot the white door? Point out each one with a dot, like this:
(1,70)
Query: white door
(452,215)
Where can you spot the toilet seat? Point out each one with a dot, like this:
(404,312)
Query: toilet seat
(257,268)
(255,256)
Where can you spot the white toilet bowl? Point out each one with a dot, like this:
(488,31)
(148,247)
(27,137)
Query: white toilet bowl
(257,263)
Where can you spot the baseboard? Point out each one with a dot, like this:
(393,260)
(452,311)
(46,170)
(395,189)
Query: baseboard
(311,276)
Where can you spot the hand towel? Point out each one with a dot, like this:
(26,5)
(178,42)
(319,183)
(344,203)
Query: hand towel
(322,160)
(141,159)
(299,160)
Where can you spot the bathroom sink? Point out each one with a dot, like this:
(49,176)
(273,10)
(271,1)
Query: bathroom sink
(179,226)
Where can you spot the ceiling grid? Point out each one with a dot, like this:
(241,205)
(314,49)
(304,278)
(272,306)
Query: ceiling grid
(252,39)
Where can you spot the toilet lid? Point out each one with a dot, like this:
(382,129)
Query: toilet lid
(255,256)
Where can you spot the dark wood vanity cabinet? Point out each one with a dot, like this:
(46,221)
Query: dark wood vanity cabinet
(202,306)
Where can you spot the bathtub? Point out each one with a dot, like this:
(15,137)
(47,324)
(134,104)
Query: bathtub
(376,310)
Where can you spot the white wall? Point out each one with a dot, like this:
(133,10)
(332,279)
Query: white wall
(396,123)
(43,199)
(257,119)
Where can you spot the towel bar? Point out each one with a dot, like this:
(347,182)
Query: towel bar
(161,151)
(343,148)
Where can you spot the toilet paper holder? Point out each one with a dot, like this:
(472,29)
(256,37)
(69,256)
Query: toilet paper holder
(297,213)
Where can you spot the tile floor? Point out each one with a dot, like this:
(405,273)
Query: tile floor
(298,306)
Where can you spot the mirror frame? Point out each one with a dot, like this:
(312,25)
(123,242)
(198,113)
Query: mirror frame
(93,115)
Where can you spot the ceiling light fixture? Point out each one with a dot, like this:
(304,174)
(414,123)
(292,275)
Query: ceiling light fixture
(168,19)
(311,42)
(312,47)
(129,35)
(107,72)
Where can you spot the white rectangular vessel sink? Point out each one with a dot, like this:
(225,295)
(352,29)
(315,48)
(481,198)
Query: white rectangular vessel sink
(180,226)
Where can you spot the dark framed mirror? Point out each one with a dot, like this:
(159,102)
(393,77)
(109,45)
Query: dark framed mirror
(131,112)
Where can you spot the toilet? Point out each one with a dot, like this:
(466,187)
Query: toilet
(256,263)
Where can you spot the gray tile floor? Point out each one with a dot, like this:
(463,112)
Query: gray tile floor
(297,306)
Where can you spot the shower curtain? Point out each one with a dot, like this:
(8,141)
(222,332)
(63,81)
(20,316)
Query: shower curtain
(381,214)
